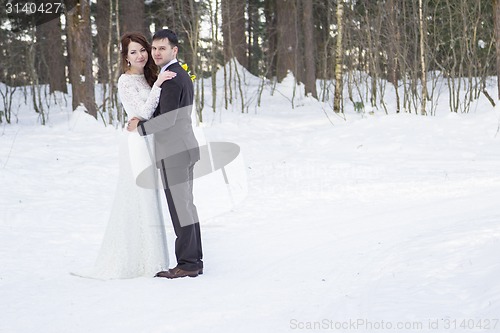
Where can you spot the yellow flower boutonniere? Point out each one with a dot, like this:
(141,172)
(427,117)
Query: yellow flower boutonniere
(186,68)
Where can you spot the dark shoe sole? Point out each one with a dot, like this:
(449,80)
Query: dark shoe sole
(169,275)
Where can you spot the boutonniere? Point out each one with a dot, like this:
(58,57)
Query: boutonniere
(186,68)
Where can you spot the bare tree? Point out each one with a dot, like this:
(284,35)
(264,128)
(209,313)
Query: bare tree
(7,93)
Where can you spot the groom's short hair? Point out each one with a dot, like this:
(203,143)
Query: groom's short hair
(167,34)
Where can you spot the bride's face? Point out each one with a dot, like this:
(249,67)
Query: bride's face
(137,56)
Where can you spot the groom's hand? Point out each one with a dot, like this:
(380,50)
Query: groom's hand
(132,124)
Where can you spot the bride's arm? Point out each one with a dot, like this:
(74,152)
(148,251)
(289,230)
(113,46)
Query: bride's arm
(132,101)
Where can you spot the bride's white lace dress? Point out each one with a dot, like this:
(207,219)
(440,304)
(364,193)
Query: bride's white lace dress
(134,243)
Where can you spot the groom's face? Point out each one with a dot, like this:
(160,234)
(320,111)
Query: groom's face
(163,52)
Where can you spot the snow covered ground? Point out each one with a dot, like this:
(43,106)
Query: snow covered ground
(373,223)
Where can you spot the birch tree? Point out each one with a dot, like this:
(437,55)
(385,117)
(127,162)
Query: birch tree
(422,57)
(337,99)
(496,9)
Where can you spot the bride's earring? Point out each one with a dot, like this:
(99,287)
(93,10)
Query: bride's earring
(128,63)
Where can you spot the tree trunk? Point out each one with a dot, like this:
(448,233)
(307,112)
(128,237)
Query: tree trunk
(309,50)
(51,61)
(42,53)
(214,31)
(103,31)
(337,100)
(271,42)
(393,41)
(300,69)
(253,37)
(80,55)
(423,66)
(496,9)
(286,11)
(191,28)
(233,30)
(132,17)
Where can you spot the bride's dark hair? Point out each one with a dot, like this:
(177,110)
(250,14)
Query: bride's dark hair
(150,69)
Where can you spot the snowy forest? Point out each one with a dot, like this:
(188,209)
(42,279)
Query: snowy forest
(327,45)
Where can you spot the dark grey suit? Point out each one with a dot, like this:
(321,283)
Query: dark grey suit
(177,151)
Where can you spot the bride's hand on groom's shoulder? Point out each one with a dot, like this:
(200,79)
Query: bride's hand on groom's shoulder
(166,75)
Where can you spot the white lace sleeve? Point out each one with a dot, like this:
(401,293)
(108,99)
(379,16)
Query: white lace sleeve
(139,100)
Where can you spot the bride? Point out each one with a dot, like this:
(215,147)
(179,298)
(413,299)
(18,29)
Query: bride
(134,243)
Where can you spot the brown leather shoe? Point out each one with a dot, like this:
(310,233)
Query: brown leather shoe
(176,272)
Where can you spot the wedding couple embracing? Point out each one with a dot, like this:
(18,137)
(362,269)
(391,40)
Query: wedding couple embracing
(159,134)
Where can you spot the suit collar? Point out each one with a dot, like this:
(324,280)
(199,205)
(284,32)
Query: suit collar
(164,68)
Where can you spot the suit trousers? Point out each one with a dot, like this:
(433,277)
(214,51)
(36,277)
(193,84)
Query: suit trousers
(178,186)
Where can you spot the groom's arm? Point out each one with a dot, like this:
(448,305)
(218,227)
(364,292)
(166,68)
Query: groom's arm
(161,122)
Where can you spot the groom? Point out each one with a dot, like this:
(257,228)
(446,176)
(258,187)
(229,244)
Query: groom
(176,151)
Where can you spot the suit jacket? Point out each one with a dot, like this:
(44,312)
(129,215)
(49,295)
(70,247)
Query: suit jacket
(175,143)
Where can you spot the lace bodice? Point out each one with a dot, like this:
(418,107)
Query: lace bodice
(137,97)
